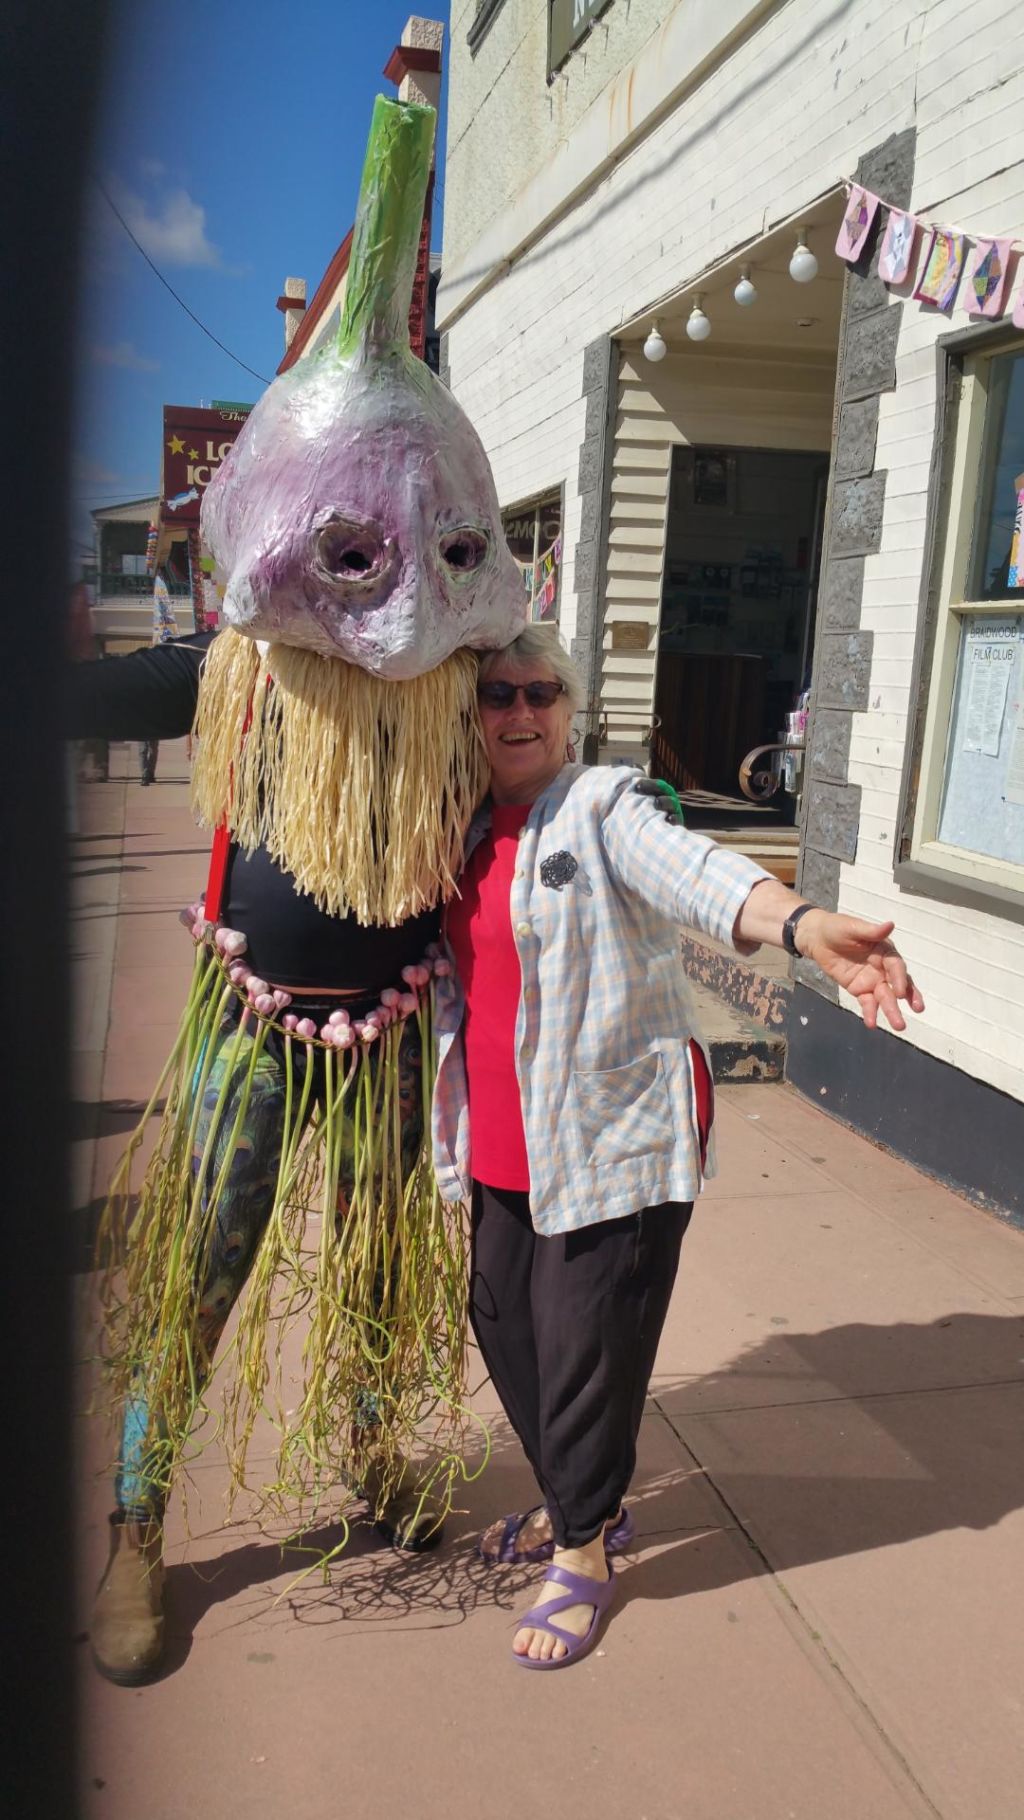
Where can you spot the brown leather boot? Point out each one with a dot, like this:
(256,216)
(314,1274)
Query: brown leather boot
(127,1632)
(399,1517)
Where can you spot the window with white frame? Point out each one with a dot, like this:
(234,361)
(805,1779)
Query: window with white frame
(966,819)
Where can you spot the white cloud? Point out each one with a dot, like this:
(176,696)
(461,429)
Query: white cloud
(152,168)
(125,354)
(173,233)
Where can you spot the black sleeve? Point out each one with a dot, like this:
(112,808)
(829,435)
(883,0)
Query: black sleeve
(148,694)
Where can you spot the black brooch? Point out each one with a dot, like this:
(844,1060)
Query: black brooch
(557,870)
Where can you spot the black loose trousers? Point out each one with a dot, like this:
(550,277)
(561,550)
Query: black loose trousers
(569,1326)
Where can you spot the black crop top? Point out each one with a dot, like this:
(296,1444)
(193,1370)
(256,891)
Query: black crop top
(152,694)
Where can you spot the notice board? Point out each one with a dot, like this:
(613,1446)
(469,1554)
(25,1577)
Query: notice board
(983,796)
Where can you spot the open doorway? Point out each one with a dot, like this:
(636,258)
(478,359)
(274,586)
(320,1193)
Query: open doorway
(742,560)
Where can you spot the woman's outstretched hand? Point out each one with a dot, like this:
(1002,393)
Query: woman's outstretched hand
(860,957)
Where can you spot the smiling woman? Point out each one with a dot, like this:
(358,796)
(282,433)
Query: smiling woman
(527,696)
(573,1102)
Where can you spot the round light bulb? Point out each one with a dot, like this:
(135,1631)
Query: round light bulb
(803,266)
(697,325)
(745,292)
(655,347)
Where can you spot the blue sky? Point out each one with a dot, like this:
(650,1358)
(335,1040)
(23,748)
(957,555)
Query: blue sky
(231,140)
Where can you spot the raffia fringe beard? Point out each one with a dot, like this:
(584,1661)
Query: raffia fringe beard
(362,789)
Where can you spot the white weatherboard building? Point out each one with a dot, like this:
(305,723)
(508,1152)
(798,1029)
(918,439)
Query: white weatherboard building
(819,494)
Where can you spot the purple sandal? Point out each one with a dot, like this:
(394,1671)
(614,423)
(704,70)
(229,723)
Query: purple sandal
(580,1590)
(617,1538)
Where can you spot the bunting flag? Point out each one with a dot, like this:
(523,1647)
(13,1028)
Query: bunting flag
(896,257)
(989,273)
(950,251)
(856,226)
(943,266)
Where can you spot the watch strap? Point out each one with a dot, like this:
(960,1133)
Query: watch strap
(789,928)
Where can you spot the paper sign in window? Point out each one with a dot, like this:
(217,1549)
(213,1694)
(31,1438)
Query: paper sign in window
(990,668)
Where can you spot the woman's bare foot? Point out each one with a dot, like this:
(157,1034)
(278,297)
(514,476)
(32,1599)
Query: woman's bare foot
(540,1645)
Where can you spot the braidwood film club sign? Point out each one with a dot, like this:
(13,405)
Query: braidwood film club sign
(195,444)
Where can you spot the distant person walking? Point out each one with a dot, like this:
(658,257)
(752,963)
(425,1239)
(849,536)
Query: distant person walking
(148,750)
(165,627)
(90,757)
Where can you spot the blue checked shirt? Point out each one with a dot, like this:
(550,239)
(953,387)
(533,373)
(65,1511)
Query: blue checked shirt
(605,1017)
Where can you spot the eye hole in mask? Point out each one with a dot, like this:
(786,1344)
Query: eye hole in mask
(463,549)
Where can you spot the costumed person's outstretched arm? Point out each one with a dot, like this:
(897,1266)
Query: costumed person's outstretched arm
(146,694)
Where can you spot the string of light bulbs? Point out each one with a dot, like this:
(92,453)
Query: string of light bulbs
(803,268)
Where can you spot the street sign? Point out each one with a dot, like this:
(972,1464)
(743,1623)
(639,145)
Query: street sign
(194,445)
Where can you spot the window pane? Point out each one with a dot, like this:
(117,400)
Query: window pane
(999,483)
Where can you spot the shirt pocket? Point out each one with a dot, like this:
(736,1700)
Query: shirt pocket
(623,1112)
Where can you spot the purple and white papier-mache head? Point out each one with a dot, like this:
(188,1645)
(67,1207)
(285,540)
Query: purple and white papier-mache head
(356,515)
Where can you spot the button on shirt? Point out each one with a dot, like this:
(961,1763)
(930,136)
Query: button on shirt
(610,1105)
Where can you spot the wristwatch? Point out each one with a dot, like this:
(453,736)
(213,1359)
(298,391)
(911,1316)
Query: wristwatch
(789,928)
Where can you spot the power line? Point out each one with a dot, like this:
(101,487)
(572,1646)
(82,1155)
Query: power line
(169,287)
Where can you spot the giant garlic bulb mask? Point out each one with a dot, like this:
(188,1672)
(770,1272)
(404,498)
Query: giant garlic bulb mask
(356,515)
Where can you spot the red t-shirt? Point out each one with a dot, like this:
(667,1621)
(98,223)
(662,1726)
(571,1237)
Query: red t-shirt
(479,927)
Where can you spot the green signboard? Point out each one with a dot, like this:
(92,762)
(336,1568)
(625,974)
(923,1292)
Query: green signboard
(568,22)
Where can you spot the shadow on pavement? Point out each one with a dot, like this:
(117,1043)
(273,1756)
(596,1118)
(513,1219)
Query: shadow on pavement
(772,1486)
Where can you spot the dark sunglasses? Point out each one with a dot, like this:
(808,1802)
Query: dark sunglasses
(535,694)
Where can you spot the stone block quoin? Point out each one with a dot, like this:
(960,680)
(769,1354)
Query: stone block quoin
(842,667)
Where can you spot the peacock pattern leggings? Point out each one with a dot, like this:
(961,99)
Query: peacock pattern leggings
(244,1207)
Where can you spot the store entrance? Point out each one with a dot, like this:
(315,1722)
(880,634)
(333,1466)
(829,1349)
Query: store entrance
(742,560)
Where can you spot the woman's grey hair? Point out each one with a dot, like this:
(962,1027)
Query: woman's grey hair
(539,644)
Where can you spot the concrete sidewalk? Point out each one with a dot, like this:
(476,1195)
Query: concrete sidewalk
(822,1617)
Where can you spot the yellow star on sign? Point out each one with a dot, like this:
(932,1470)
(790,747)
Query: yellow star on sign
(193,454)
(176,446)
